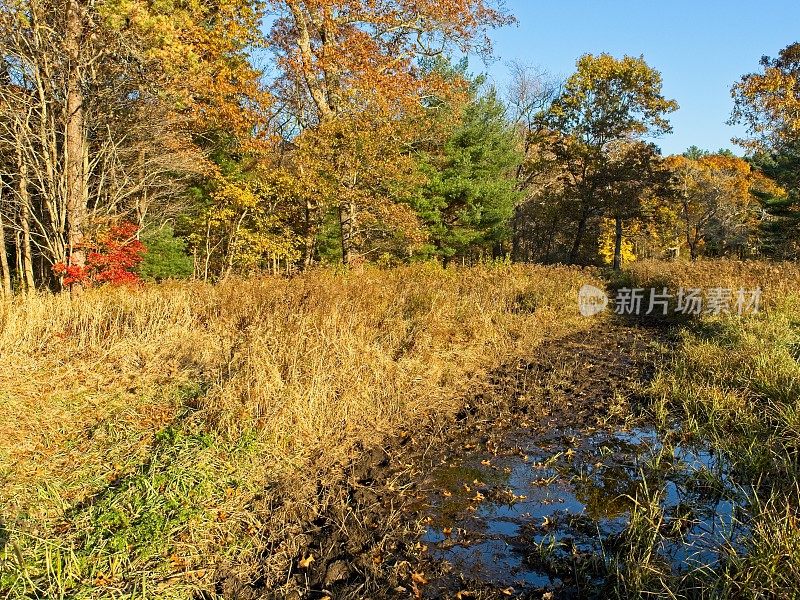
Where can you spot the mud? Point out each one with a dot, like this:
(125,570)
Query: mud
(525,494)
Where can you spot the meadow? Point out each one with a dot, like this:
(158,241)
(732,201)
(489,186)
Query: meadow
(153,440)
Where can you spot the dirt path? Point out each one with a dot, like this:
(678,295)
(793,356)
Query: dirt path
(410,517)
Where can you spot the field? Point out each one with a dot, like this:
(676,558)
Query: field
(188,440)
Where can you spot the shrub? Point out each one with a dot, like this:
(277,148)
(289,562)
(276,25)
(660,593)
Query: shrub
(166,256)
(113,259)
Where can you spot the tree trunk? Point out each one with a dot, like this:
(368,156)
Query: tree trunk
(310,235)
(25,221)
(141,200)
(576,246)
(498,251)
(692,243)
(516,226)
(618,243)
(551,240)
(305,44)
(75,146)
(4,252)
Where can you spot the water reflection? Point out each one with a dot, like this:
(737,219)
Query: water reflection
(564,498)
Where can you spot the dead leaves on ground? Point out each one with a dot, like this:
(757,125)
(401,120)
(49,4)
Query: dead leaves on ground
(305,563)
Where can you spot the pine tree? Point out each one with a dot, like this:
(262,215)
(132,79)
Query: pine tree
(469,199)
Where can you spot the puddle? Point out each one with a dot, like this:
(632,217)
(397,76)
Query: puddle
(549,512)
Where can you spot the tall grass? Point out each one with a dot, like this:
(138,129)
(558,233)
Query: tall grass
(734,385)
(151,436)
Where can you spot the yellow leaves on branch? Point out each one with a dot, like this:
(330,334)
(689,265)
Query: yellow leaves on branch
(247,221)
(234,197)
(623,95)
(729,177)
(768,103)
(362,160)
(717,191)
(607,242)
(198,50)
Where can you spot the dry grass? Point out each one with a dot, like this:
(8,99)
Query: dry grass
(152,437)
(142,428)
(778,281)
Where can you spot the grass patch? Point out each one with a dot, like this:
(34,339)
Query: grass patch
(147,531)
(157,438)
(733,384)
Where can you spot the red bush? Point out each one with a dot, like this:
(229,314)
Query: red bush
(113,259)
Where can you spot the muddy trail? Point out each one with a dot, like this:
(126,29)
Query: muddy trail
(527,494)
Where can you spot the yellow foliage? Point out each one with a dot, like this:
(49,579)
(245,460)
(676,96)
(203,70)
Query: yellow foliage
(607,242)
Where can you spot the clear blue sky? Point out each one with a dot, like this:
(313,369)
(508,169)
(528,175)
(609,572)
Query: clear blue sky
(701,48)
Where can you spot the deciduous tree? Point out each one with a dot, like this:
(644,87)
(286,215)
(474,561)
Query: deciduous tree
(768,102)
(605,102)
(718,209)
(342,59)
(107,110)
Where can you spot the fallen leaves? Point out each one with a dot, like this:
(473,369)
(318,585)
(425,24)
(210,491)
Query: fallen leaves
(419,577)
(306,562)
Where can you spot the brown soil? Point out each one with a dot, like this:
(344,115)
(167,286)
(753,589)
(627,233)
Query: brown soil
(367,543)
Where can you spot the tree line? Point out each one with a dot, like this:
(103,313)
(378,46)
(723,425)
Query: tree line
(144,139)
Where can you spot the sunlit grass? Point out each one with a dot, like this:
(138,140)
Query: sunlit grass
(152,437)
(733,384)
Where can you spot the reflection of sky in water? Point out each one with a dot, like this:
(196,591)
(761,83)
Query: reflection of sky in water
(577,491)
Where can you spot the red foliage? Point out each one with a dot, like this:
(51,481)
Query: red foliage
(71,273)
(113,259)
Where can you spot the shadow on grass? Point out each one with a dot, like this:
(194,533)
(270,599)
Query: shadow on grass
(163,442)
(131,523)
(5,535)
(671,322)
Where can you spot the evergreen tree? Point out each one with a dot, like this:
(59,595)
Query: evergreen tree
(781,228)
(469,198)
(166,256)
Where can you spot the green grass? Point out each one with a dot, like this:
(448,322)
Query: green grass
(147,533)
(734,385)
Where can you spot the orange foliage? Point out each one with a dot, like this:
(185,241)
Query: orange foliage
(342,55)
(768,103)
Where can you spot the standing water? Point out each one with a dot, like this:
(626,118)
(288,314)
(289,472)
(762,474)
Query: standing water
(552,512)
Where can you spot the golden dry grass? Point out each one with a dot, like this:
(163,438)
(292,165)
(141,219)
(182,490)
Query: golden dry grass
(309,358)
(285,377)
(778,280)
(151,436)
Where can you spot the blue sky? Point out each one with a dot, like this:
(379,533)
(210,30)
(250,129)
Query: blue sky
(701,48)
